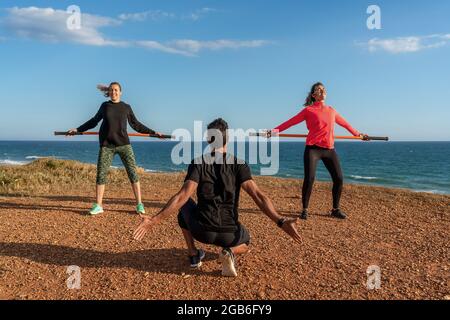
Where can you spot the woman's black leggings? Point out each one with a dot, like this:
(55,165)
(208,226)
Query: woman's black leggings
(330,159)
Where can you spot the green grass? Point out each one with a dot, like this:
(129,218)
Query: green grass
(47,175)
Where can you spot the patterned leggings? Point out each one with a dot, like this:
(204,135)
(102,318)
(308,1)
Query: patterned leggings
(105,159)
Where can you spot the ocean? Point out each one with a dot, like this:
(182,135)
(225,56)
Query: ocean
(419,166)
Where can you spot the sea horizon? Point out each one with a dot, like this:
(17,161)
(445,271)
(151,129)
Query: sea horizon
(416,166)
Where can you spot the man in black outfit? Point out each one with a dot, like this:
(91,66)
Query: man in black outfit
(217,177)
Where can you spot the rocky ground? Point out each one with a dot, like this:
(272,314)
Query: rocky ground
(405,234)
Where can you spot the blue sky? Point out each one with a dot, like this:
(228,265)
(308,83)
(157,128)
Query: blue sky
(250,62)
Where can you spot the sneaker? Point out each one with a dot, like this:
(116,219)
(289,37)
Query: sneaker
(227,259)
(96,209)
(304,214)
(140,208)
(337,213)
(196,261)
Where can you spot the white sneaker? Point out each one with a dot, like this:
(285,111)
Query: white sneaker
(227,259)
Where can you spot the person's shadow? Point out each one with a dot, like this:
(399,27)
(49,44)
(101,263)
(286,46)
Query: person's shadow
(173,261)
(57,206)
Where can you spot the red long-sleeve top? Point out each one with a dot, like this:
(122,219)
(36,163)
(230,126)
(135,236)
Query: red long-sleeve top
(320,120)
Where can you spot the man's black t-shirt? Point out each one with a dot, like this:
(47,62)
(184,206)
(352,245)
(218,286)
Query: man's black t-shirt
(219,184)
(113,131)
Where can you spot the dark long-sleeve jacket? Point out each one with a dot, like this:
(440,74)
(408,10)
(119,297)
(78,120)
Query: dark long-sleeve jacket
(113,131)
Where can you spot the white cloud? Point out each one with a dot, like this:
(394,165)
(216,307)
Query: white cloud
(47,24)
(155,45)
(194,46)
(198,14)
(408,44)
(153,15)
(157,15)
(190,48)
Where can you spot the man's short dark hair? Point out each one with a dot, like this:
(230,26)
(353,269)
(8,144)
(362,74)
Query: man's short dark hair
(220,125)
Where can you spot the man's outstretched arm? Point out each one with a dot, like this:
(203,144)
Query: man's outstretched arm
(174,205)
(266,206)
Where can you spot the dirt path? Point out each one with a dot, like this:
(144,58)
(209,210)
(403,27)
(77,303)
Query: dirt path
(406,234)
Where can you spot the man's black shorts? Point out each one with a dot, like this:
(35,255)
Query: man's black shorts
(220,239)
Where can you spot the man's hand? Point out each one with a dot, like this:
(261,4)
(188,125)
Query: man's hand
(174,205)
(145,226)
(291,230)
(266,206)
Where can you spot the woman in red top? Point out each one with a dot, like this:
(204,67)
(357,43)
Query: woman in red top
(320,120)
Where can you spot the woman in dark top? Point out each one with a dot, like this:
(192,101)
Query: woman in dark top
(114,140)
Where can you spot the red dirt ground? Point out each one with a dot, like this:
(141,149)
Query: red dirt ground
(404,233)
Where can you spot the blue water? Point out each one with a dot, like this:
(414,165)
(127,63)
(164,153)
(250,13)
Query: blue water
(420,166)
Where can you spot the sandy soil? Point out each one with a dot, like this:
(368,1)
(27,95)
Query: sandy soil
(406,234)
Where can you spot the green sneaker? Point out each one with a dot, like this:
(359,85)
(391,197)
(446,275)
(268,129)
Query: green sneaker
(96,209)
(140,208)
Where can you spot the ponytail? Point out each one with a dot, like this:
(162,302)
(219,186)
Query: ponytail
(105,89)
